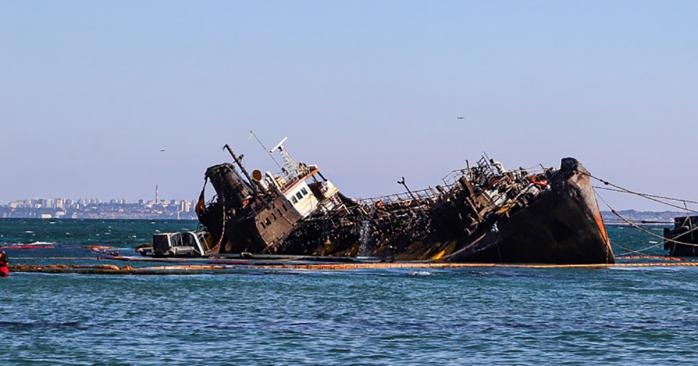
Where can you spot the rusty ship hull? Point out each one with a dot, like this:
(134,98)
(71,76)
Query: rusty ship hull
(563,226)
(486,215)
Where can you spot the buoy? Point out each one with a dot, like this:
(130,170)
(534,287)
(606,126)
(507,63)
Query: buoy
(4,269)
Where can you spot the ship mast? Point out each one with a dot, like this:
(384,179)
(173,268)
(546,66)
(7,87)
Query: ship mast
(290,164)
(238,161)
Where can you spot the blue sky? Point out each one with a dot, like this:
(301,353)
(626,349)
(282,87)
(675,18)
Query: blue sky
(91,91)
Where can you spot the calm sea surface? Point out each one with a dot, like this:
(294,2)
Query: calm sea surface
(466,316)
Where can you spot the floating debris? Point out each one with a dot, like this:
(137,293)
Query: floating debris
(34,245)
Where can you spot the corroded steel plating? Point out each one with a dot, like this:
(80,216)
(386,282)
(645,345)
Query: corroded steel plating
(482,213)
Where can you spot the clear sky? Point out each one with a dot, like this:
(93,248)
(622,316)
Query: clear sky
(91,91)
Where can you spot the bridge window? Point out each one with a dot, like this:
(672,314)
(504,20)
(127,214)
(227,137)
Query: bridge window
(299,195)
(304,191)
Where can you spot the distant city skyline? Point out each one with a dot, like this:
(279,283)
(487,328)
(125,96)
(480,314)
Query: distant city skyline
(94,208)
(155,196)
(110,98)
(58,202)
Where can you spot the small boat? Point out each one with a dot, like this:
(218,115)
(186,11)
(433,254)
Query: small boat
(179,244)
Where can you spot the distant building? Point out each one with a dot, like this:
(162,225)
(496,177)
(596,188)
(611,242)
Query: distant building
(96,209)
(185,206)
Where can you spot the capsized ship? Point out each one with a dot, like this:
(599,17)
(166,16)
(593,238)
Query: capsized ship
(481,213)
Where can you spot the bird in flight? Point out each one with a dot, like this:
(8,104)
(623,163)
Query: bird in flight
(460,117)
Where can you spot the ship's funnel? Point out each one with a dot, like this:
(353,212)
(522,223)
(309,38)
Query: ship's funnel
(228,184)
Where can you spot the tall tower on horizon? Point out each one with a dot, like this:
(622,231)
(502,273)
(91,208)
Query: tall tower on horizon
(156,194)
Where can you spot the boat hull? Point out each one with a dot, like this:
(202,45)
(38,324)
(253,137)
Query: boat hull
(564,226)
(560,224)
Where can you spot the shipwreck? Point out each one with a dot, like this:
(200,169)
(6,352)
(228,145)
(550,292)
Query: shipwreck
(481,213)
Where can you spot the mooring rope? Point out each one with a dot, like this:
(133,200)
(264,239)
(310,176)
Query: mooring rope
(646,194)
(650,197)
(636,226)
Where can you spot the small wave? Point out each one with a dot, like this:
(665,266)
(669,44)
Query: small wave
(29,232)
(41,243)
(421,273)
(38,325)
(653,269)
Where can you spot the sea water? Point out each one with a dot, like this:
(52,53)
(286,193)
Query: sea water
(362,317)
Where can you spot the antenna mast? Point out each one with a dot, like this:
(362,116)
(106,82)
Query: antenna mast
(265,149)
(290,165)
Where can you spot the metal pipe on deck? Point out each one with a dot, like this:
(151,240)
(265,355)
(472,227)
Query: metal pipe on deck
(402,181)
(242,168)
